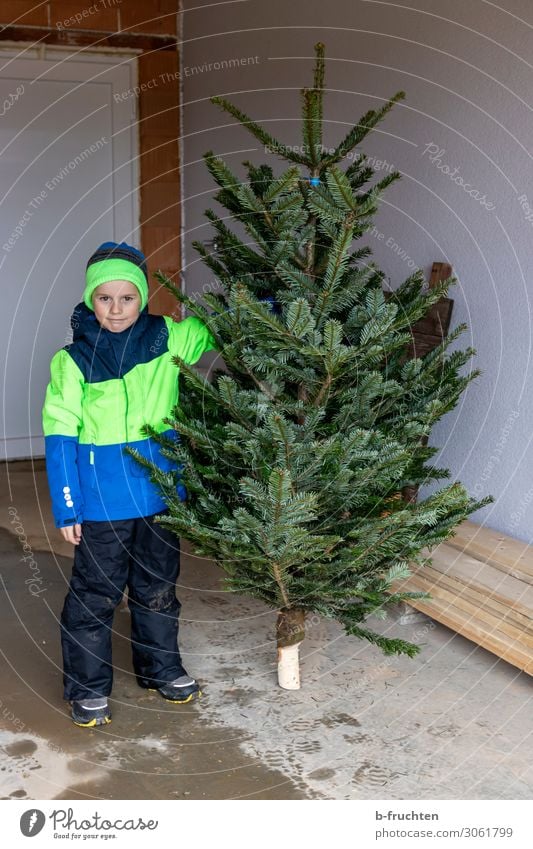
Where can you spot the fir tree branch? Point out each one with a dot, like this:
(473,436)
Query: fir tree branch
(359,131)
(259,133)
(277,577)
(324,388)
(261,385)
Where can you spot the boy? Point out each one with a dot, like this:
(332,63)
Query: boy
(117,375)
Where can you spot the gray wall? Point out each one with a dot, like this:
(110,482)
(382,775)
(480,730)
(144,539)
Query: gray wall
(466,71)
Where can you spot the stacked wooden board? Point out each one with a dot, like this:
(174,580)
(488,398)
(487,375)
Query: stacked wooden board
(481,585)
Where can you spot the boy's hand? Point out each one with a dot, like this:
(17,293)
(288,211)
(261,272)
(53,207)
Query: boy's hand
(72,533)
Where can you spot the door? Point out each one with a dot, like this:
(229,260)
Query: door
(68,182)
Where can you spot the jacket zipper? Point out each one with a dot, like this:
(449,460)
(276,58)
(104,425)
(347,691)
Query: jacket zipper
(91,451)
(127,409)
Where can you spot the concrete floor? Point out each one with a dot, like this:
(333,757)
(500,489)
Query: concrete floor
(453,723)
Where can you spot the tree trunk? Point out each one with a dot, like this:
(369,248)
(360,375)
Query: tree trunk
(290,631)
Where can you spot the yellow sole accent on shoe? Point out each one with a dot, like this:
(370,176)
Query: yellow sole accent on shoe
(175,701)
(92,723)
(184,701)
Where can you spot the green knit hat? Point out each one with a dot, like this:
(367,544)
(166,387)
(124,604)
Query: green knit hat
(112,261)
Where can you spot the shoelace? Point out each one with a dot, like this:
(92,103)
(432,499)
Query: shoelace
(182,681)
(93,704)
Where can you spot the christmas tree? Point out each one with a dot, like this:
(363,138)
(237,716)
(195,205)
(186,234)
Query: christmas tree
(296,454)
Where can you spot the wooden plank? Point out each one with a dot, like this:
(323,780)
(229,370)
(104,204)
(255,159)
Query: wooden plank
(485,578)
(437,319)
(456,601)
(439,271)
(427,334)
(479,597)
(434,324)
(477,631)
(499,550)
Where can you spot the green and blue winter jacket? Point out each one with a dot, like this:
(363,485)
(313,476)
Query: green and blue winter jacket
(104,386)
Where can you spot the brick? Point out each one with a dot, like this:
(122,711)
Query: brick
(160,204)
(173,273)
(154,103)
(169,6)
(158,64)
(138,16)
(158,125)
(160,159)
(18,13)
(164,85)
(161,246)
(172,176)
(159,115)
(99,15)
(163,302)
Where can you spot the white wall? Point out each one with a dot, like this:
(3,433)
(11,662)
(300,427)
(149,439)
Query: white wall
(467,72)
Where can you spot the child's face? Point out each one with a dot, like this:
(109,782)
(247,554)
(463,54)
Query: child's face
(116,304)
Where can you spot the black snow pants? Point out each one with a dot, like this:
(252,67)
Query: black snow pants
(145,557)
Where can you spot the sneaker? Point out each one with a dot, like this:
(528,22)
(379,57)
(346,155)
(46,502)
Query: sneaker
(90,712)
(180,691)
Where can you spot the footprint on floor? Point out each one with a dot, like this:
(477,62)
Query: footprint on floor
(372,775)
(449,730)
(339,719)
(321,774)
(31,768)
